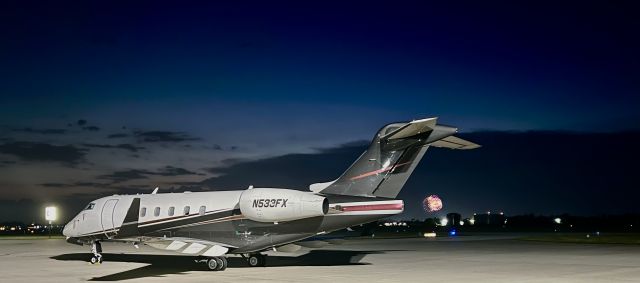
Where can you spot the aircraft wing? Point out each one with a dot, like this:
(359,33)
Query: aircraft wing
(455,143)
(189,246)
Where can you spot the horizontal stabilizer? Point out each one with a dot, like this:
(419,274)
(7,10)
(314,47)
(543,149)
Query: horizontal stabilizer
(455,143)
(412,129)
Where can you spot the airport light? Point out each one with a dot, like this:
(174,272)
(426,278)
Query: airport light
(472,221)
(50,214)
(557,220)
(444,221)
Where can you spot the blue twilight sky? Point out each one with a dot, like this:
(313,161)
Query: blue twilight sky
(99,88)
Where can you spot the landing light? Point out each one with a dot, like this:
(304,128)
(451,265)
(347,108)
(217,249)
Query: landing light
(444,221)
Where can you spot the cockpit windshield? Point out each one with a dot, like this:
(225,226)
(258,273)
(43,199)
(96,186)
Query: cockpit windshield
(90,206)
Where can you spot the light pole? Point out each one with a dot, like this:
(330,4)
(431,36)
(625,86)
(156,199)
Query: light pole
(50,214)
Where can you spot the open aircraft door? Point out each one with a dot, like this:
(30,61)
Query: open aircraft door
(107,217)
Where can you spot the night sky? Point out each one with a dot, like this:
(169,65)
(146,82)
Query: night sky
(104,98)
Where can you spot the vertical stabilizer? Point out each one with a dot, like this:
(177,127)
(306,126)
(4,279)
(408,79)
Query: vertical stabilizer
(385,167)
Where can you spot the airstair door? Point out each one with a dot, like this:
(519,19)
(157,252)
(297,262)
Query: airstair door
(107,217)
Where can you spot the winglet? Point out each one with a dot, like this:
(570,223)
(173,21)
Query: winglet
(155,191)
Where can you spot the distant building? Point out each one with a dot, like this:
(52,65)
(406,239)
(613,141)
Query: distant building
(454,218)
(489,219)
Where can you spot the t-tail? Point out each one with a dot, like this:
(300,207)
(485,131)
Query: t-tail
(384,168)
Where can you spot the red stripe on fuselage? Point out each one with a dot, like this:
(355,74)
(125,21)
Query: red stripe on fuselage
(367,207)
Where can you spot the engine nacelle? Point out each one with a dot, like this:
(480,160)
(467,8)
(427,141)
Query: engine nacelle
(275,205)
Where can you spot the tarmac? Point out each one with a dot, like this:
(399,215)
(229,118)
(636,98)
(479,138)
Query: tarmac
(461,259)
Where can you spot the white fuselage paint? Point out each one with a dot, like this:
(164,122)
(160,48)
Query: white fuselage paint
(108,213)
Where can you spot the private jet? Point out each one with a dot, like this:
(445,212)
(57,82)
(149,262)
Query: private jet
(211,225)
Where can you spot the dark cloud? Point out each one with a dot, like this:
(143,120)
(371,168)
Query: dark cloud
(175,171)
(91,128)
(294,171)
(117,136)
(75,184)
(54,185)
(135,174)
(41,131)
(345,146)
(81,122)
(126,175)
(163,136)
(225,163)
(124,146)
(34,151)
(518,172)
(88,184)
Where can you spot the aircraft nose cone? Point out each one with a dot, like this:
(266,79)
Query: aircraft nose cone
(65,230)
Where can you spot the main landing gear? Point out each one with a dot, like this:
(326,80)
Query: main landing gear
(217,263)
(96,249)
(256,260)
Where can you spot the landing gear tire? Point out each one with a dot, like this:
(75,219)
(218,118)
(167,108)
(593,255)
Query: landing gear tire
(212,264)
(217,263)
(96,249)
(222,263)
(256,260)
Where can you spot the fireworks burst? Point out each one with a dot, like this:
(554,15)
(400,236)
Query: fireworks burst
(432,203)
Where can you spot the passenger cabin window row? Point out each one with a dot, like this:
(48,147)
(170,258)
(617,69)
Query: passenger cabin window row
(171,211)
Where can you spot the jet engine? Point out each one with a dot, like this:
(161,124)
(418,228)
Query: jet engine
(275,205)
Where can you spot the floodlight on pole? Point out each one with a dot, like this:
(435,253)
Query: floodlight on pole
(50,214)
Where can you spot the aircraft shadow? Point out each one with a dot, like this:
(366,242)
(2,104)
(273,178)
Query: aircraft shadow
(159,265)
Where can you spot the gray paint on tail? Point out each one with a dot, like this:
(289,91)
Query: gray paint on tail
(384,168)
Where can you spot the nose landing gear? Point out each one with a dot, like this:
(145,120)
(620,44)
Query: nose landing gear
(96,249)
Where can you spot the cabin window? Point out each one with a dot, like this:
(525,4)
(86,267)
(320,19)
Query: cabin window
(90,206)
(156,212)
(171,210)
(186,210)
(202,210)
(143,212)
